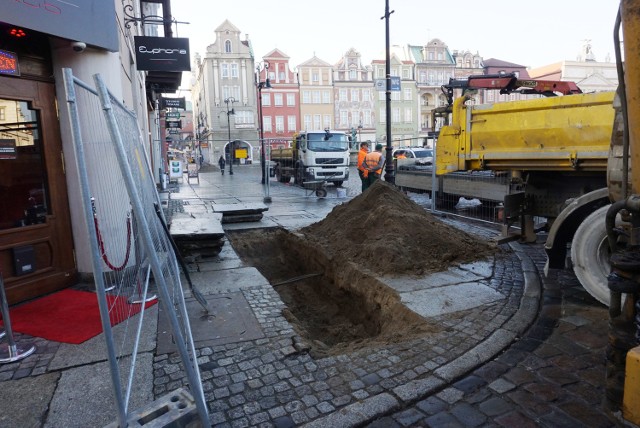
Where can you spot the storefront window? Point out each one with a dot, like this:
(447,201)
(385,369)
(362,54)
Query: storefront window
(23,184)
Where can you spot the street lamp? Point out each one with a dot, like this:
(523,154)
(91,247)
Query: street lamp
(228,101)
(390,175)
(260,84)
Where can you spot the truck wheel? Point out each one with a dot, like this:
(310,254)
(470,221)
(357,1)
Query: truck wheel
(281,177)
(337,183)
(298,177)
(590,255)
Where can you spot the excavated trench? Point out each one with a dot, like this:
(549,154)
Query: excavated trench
(331,302)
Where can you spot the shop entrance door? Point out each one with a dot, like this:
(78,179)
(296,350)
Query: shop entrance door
(36,244)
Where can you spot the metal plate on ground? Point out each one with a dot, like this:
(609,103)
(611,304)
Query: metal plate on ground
(230,320)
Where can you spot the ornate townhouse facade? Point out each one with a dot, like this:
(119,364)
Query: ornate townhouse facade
(405,109)
(316,94)
(280,100)
(354,98)
(225,98)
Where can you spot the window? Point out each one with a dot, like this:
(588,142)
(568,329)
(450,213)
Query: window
(266,123)
(234,71)
(327,121)
(383,115)
(408,115)
(277,100)
(342,95)
(366,115)
(315,77)
(326,97)
(2,113)
(227,46)
(266,99)
(395,115)
(226,92)
(282,76)
(405,73)
(317,121)
(353,74)
(291,123)
(224,70)
(439,56)
(395,95)
(366,95)
(316,97)
(306,97)
(280,124)
(25,187)
(408,96)
(382,96)
(291,100)
(307,122)
(344,118)
(243,117)
(355,95)
(430,56)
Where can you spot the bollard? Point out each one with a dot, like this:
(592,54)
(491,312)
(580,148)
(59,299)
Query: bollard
(10,351)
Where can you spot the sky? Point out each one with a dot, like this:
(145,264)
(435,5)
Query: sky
(532,34)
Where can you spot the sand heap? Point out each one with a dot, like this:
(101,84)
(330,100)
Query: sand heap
(386,232)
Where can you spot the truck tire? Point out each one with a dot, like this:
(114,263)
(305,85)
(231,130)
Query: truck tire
(281,178)
(298,178)
(590,255)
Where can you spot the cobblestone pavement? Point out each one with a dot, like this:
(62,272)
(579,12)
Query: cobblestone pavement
(552,377)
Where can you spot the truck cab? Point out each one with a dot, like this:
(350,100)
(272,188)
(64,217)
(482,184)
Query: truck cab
(315,156)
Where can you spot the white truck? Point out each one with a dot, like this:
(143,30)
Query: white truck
(314,158)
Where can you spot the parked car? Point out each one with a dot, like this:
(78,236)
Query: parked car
(421,155)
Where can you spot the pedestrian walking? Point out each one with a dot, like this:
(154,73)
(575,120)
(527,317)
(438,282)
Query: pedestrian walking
(362,172)
(373,163)
(221,163)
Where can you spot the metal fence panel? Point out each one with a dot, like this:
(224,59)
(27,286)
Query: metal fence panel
(128,242)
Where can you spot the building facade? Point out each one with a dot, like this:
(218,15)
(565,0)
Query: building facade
(224,97)
(280,101)
(41,212)
(354,98)
(404,100)
(316,95)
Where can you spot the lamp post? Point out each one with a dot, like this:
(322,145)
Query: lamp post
(228,101)
(260,85)
(390,175)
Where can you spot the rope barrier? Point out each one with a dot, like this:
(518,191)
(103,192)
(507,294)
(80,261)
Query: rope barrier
(101,242)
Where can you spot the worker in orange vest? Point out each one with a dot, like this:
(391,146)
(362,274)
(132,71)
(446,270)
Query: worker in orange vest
(373,163)
(364,150)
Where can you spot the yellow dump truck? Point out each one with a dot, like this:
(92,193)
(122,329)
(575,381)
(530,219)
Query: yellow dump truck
(555,151)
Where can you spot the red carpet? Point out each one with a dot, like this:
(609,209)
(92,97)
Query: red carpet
(68,316)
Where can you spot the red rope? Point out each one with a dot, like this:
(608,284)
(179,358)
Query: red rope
(101,242)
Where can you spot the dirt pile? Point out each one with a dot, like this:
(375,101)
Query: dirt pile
(386,232)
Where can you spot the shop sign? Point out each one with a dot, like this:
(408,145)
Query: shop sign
(166,103)
(89,21)
(173,124)
(7,148)
(172,114)
(9,63)
(162,53)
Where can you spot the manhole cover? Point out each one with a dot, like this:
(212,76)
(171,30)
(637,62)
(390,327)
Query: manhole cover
(230,320)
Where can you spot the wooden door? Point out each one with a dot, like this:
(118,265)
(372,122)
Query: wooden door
(36,243)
